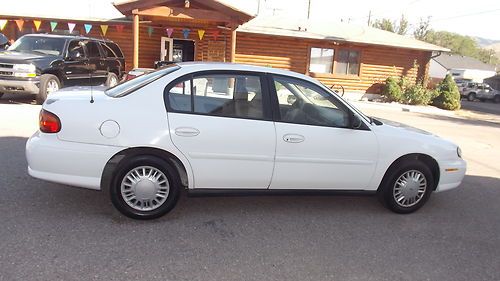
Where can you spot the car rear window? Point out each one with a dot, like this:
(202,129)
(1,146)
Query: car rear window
(115,48)
(131,86)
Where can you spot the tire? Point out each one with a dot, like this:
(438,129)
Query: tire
(392,190)
(1,95)
(471,96)
(112,80)
(496,99)
(123,189)
(48,83)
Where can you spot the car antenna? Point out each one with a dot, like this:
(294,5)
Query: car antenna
(90,81)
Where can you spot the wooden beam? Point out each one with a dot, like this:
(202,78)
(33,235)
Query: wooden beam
(136,41)
(183,13)
(233,45)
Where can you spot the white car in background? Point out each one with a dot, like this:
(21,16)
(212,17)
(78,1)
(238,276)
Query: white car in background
(221,128)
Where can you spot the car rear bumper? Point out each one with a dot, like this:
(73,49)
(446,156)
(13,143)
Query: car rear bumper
(11,86)
(451,174)
(70,163)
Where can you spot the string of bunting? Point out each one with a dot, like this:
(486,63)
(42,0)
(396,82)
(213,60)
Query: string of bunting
(104,28)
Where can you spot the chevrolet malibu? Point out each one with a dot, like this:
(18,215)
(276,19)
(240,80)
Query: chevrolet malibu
(215,128)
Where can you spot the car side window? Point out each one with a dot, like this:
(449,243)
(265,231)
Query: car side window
(225,95)
(76,50)
(301,102)
(93,49)
(108,52)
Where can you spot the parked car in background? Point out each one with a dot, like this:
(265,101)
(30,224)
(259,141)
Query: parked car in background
(41,63)
(481,91)
(216,128)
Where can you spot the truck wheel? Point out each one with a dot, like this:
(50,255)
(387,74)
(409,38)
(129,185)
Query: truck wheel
(471,97)
(112,80)
(496,99)
(48,83)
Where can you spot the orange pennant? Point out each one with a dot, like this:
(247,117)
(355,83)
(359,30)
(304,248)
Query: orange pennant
(20,24)
(37,24)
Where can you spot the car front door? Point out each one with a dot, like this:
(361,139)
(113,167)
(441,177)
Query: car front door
(76,64)
(96,63)
(316,147)
(221,122)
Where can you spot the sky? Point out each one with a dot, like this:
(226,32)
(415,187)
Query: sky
(476,18)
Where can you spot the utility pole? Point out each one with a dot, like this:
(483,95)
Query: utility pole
(369,17)
(309,9)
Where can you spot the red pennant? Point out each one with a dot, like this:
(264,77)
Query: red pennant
(120,28)
(215,34)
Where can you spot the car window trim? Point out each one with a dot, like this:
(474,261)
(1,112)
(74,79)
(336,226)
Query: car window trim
(266,106)
(276,109)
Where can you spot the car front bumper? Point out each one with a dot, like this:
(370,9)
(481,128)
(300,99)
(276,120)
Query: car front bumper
(451,174)
(71,163)
(21,86)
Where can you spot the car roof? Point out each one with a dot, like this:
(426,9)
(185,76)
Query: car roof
(67,37)
(206,66)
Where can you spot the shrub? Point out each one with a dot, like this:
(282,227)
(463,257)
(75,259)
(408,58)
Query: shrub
(392,90)
(448,95)
(417,94)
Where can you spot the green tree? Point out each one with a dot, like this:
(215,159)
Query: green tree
(422,29)
(384,24)
(448,95)
(388,25)
(402,28)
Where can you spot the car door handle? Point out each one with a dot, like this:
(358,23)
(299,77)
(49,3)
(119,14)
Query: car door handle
(187,132)
(293,138)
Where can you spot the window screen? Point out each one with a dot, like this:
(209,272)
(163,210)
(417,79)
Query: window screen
(347,62)
(321,60)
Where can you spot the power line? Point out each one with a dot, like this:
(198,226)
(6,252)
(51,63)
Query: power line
(467,15)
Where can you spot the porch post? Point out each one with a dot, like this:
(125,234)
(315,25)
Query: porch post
(233,44)
(136,40)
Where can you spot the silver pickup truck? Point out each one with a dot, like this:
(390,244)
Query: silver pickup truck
(481,91)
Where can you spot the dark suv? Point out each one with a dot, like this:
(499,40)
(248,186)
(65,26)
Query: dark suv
(42,63)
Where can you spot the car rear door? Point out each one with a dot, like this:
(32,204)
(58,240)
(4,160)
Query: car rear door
(221,121)
(97,66)
(76,64)
(316,148)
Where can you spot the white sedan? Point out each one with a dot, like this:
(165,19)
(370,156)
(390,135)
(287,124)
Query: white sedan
(215,128)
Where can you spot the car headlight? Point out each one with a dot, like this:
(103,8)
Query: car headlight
(459,152)
(24,70)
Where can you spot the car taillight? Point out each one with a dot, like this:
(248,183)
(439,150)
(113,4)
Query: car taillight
(49,122)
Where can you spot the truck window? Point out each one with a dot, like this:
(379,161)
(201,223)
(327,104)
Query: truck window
(108,52)
(93,49)
(76,47)
(115,49)
(39,44)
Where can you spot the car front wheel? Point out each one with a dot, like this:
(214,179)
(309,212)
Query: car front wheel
(48,83)
(145,187)
(407,187)
(471,97)
(111,80)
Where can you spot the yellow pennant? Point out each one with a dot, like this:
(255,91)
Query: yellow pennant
(3,23)
(104,29)
(37,24)
(201,32)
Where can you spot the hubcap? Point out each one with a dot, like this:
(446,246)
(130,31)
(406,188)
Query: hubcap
(145,188)
(409,188)
(52,86)
(112,82)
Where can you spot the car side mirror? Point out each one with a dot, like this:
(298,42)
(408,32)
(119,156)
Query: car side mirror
(356,123)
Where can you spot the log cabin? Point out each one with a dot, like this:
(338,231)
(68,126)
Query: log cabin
(359,58)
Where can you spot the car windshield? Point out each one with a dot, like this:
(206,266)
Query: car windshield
(130,86)
(38,44)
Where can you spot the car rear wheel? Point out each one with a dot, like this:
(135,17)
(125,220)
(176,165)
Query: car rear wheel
(496,99)
(145,187)
(471,97)
(48,83)
(407,187)
(112,80)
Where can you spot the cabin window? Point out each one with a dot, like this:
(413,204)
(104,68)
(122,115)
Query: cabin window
(347,62)
(321,60)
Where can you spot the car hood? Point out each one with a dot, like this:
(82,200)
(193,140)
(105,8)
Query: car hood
(393,125)
(22,57)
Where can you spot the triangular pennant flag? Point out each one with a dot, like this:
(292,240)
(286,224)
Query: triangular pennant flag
(3,23)
(150,30)
(104,29)
(20,24)
(185,33)
(169,31)
(201,32)
(87,27)
(53,25)
(37,24)
(215,34)
(119,28)
(71,26)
